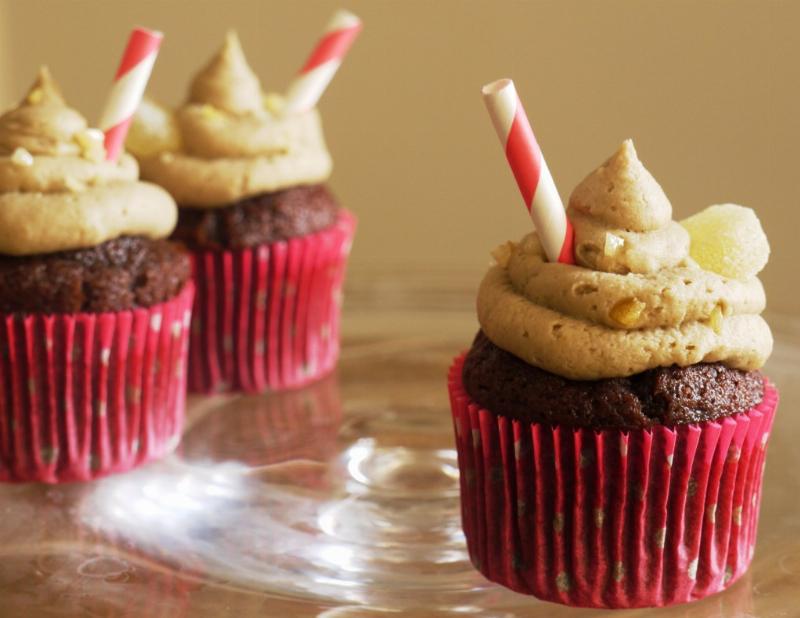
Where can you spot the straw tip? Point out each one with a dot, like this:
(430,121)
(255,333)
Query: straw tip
(343,18)
(148,32)
(497,86)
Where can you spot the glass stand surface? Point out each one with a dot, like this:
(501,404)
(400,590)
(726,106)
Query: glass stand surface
(340,499)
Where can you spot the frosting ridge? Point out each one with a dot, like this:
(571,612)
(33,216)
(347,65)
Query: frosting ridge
(57,191)
(235,140)
(628,305)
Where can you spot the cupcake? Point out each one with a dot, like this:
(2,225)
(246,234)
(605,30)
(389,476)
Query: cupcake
(94,301)
(611,419)
(268,240)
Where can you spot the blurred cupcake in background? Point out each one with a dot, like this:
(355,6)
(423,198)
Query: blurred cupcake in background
(94,301)
(268,239)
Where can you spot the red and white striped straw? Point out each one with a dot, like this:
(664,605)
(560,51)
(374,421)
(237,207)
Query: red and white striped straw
(324,61)
(530,170)
(129,84)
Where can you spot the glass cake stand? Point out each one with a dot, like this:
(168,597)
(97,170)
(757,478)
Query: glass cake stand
(340,499)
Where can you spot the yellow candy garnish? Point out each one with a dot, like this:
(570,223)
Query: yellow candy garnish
(727,239)
(715,320)
(91,144)
(627,312)
(22,157)
(35,97)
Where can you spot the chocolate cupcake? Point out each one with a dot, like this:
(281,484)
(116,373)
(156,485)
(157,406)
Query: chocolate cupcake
(611,418)
(94,301)
(268,239)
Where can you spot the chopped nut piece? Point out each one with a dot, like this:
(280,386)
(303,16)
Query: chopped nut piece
(613,244)
(22,157)
(627,312)
(91,144)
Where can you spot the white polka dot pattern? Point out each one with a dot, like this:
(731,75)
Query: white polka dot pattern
(115,411)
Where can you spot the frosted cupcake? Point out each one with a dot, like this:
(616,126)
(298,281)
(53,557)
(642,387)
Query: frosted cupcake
(94,301)
(268,239)
(611,417)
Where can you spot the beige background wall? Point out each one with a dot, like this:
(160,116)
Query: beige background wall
(708,90)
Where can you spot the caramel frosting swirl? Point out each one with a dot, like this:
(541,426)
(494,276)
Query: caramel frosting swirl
(235,141)
(57,192)
(635,300)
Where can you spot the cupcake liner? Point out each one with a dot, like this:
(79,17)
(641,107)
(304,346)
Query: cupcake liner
(267,317)
(610,518)
(268,429)
(84,395)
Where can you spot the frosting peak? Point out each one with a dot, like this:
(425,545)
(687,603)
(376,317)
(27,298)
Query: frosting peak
(44,89)
(57,191)
(622,219)
(635,300)
(623,194)
(235,141)
(227,82)
(42,123)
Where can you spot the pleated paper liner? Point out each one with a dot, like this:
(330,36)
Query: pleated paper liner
(610,518)
(85,395)
(268,317)
(270,428)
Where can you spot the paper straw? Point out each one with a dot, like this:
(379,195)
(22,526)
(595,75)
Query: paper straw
(129,84)
(530,170)
(324,61)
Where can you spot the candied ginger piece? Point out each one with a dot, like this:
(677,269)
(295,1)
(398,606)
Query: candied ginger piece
(715,319)
(153,130)
(627,312)
(728,239)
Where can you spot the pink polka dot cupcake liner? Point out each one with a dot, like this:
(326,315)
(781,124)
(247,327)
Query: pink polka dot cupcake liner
(611,518)
(86,395)
(268,317)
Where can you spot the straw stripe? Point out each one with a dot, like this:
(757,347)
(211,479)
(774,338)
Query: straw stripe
(326,58)
(129,85)
(126,93)
(335,44)
(530,170)
(115,138)
(142,43)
